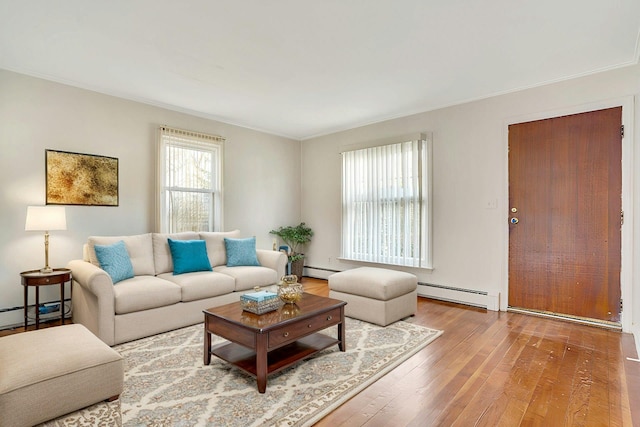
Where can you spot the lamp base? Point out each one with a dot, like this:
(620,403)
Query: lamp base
(46,270)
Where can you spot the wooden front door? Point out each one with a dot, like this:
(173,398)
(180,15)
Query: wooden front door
(565,201)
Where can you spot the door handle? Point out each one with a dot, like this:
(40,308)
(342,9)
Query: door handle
(513,220)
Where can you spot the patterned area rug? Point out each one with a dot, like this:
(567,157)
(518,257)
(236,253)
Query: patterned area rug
(166,383)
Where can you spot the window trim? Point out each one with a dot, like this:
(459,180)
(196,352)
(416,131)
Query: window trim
(197,140)
(424,262)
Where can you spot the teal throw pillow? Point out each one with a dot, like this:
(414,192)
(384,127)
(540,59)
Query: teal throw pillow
(189,256)
(241,252)
(114,259)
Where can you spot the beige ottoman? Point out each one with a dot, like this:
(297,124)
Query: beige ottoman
(375,295)
(54,371)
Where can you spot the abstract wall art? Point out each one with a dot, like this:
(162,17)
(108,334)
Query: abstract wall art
(81,179)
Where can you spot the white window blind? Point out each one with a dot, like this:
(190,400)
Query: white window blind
(190,181)
(386,204)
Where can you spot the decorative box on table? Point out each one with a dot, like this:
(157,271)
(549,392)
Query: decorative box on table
(260,302)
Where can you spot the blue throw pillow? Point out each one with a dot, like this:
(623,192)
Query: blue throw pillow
(241,252)
(189,256)
(114,259)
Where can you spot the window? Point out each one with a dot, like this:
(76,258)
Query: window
(386,204)
(190,181)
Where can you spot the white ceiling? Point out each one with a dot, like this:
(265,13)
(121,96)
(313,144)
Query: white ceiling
(302,68)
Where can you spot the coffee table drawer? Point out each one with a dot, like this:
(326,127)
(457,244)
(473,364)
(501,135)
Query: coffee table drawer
(294,331)
(229,332)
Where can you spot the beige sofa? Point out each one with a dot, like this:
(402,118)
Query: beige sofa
(155,300)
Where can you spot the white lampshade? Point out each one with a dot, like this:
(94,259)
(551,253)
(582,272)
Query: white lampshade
(45,218)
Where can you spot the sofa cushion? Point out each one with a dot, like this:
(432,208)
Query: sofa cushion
(215,245)
(140,250)
(201,284)
(144,292)
(114,259)
(189,256)
(249,277)
(161,252)
(241,252)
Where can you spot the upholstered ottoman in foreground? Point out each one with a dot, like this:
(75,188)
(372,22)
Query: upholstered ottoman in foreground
(54,371)
(375,295)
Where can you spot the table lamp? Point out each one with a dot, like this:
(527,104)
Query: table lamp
(46,218)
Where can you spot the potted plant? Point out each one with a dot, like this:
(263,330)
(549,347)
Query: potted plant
(294,236)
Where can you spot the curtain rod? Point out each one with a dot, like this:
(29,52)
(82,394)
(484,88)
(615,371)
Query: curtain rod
(192,134)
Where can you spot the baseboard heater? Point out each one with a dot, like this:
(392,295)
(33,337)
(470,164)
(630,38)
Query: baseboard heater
(482,299)
(318,272)
(13,317)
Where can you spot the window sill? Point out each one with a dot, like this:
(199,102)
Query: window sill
(382,265)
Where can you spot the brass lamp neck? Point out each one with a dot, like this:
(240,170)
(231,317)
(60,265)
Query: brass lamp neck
(46,268)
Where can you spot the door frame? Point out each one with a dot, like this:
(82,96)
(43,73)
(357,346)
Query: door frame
(626,256)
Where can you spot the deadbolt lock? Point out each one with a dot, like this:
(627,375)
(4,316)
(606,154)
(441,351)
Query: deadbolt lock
(514,210)
(514,220)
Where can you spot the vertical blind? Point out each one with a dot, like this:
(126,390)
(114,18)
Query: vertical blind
(190,175)
(385,204)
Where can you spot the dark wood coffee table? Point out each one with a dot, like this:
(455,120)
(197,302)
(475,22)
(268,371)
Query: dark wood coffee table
(264,344)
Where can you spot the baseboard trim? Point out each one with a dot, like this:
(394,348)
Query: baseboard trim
(635,330)
(567,317)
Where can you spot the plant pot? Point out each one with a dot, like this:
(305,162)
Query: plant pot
(297,267)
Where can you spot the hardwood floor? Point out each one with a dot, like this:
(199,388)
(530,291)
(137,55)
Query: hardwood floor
(498,369)
(501,369)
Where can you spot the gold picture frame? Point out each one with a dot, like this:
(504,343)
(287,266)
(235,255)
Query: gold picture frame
(81,179)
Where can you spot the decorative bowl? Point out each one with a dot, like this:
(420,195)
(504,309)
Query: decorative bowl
(289,292)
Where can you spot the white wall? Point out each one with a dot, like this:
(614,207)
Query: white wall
(470,248)
(262,172)
(261,177)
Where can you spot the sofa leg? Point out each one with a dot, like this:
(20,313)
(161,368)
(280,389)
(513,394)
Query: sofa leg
(112,398)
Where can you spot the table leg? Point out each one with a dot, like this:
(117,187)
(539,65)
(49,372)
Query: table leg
(207,346)
(61,303)
(71,299)
(261,362)
(26,306)
(37,307)
(342,332)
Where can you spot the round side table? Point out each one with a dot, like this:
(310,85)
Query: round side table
(36,278)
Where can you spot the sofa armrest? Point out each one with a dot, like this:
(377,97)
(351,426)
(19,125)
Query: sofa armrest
(275,260)
(93,299)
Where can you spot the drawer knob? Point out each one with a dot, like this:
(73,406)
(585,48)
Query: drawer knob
(329,317)
(308,326)
(286,334)
(46,281)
